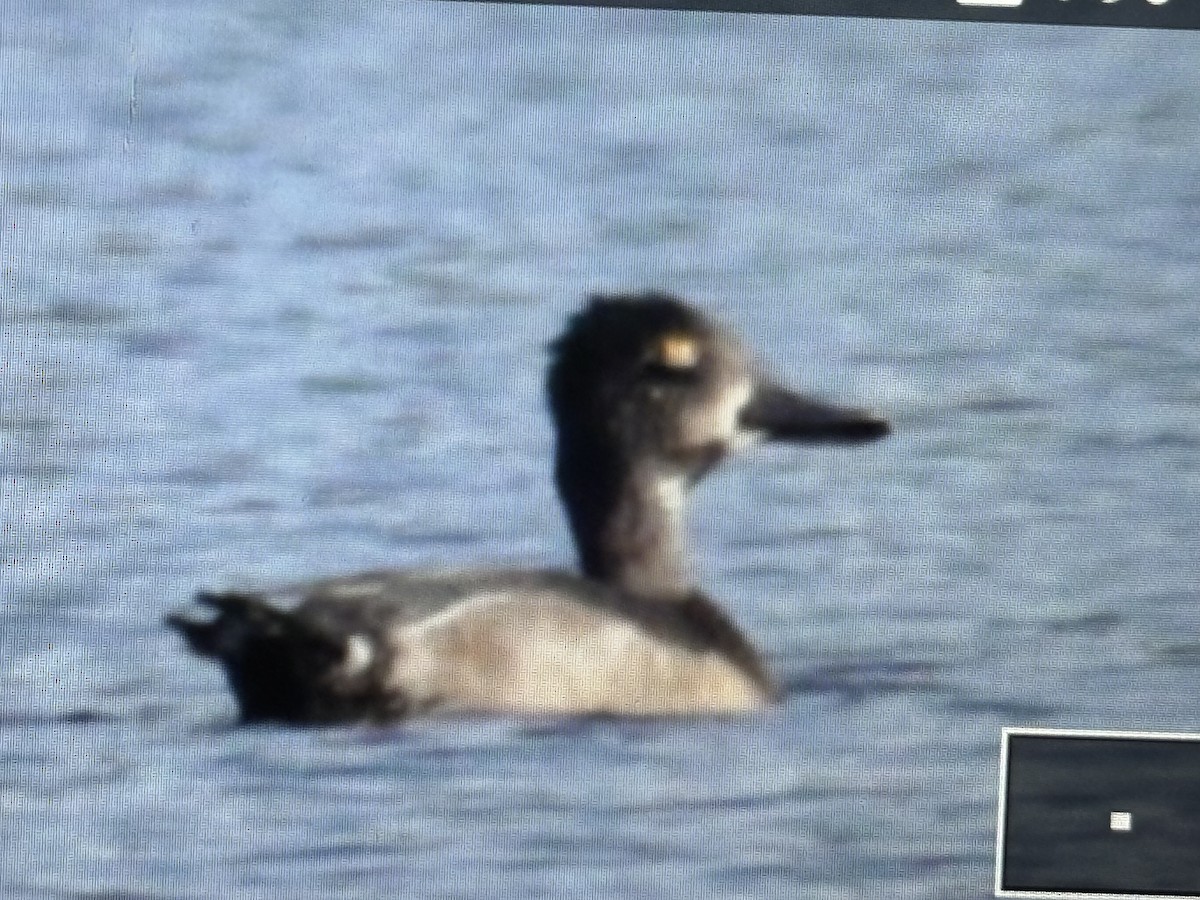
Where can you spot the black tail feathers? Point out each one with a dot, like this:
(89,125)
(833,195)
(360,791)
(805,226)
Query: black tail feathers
(201,637)
(281,665)
(287,665)
(246,624)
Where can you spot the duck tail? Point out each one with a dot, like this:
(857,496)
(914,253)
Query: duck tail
(241,619)
(275,660)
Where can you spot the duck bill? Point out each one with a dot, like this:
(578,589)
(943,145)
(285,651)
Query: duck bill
(778,414)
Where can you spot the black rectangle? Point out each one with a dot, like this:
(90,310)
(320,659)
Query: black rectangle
(1099,814)
(1184,14)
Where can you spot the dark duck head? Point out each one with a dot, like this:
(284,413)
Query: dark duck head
(648,395)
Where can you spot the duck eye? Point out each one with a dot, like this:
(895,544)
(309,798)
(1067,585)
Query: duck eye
(677,353)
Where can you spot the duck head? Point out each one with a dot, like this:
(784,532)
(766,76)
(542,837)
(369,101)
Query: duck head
(648,394)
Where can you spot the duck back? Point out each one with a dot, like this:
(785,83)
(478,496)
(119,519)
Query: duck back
(390,643)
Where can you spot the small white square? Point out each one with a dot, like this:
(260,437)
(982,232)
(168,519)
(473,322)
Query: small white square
(1120,821)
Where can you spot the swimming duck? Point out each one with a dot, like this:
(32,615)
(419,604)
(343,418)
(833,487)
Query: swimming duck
(647,395)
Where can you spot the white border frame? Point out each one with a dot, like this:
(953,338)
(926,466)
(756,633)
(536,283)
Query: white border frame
(1002,806)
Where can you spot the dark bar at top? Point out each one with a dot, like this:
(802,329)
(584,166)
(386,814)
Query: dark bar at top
(1175,14)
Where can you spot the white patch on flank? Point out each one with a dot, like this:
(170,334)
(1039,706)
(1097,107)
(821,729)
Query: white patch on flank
(359,654)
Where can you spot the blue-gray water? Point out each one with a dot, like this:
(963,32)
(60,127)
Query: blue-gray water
(277,281)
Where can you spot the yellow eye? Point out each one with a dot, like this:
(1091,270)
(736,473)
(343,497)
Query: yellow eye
(678,351)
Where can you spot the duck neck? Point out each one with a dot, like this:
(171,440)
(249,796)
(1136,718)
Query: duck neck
(627,520)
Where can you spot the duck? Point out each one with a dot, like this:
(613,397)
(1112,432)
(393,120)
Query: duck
(647,395)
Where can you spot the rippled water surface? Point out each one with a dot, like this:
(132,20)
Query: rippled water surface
(277,283)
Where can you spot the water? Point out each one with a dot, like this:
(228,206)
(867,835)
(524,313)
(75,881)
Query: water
(277,282)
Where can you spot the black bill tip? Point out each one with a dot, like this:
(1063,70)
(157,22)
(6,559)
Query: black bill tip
(783,415)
